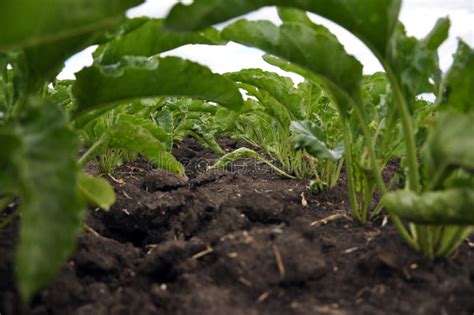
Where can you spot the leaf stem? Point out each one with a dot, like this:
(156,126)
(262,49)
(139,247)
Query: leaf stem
(276,169)
(409,134)
(92,150)
(349,170)
(377,172)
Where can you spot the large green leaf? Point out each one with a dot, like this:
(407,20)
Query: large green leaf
(139,77)
(40,64)
(459,82)
(371,20)
(448,207)
(312,49)
(151,39)
(311,138)
(28,23)
(43,163)
(51,31)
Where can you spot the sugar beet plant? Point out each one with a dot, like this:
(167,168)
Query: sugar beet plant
(434,210)
(266,122)
(40,124)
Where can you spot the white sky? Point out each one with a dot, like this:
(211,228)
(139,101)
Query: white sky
(419,16)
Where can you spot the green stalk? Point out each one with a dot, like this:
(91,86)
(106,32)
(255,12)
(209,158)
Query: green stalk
(408,130)
(377,172)
(367,198)
(451,237)
(336,173)
(377,210)
(349,171)
(407,237)
(378,177)
(425,240)
(92,150)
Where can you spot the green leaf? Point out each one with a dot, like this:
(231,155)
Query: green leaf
(245,153)
(96,191)
(459,81)
(288,15)
(44,163)
(142,139)
(51,31)
(438,34)
(156,131)
(305,47)
(151,39)
(190,105)
(448,207)
(269,104)
(239,154)
(28,23)
(450,144)
(416,62)
(138,77)
(280,88)
(371,20)
(311,138)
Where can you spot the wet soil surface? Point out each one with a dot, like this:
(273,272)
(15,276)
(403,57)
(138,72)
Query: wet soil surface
(238,241)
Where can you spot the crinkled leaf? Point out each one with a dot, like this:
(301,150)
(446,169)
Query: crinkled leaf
(312,139)
(50,205)
(151,39)
(448,207)
(301,45)
(138,77)
(459,82)
(97,192)
(371,20)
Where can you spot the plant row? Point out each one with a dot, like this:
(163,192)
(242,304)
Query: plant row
(131,101)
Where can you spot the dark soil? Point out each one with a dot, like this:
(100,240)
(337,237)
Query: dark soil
(238,241)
